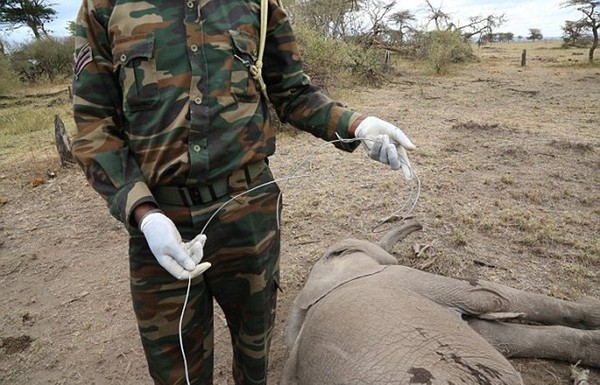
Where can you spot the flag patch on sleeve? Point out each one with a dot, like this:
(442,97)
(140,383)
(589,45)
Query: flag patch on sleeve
(83,58)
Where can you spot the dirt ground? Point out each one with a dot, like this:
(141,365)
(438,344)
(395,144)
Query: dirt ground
(509,166)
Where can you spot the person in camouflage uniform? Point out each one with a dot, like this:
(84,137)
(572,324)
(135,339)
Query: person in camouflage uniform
(171,124)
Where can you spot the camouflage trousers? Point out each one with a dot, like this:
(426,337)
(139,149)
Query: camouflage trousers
(243,244)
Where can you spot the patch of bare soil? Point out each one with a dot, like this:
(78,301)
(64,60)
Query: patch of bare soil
(509,165)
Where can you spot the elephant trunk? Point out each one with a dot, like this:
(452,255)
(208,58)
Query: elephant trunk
(392,237)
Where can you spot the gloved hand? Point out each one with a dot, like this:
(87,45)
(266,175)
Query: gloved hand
(386,143)
(181,260)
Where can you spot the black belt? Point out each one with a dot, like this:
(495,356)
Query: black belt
(191,196)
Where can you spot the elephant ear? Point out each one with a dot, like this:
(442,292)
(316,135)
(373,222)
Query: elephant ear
(358,248)
(346,261)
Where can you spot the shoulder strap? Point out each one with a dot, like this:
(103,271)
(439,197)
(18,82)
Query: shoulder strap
(256,69)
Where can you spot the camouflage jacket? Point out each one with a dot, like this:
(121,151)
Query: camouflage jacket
(163,94)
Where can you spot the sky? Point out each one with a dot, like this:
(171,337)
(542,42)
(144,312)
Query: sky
(546,15)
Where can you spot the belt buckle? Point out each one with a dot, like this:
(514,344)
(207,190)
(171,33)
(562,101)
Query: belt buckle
(191,196)
(196,196)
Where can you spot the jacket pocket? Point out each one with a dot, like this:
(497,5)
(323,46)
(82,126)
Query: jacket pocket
(245,55)
(133,62)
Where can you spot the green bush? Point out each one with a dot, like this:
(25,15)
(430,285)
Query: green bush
(334,61)
(368,64)
(45,59)
(320,62)
(441,49)
(582,42)
(8,78)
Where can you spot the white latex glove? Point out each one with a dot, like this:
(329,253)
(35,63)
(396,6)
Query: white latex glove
(181,260)
(195,248)
(386,143)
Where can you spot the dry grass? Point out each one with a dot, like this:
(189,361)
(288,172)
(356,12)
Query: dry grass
(27,128)
(509,163)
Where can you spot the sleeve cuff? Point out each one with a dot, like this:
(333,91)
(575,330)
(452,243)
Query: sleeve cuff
(140,193)
(346,125)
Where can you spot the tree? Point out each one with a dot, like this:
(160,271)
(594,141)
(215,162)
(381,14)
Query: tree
(506,36)
(535,34)
(440,18)
(72,27)
(590,19)
(477,25)
(480,25)
(377,11)
(402,20)
(497,37)
(330,17)
(33,14)
(573,31)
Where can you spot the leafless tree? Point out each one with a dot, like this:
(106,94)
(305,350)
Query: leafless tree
(377,11)
(480,25)
(477,25)
(440,18)
(330,17)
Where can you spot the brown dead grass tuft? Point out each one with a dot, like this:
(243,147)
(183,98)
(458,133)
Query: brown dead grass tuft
(474,126)
(570,145)
(14,345)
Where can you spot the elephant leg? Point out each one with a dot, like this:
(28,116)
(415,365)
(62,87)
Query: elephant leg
(478,297)
(550,342)
(541,308)
(288,373)
(584,314)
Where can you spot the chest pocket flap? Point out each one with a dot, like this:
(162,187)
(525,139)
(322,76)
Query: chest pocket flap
(133,61)
(245,51)
(244,44)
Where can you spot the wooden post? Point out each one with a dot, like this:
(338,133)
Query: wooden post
(524,58)
(386,60)
(63,144)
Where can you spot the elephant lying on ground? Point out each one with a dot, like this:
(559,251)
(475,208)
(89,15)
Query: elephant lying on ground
(363,319)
